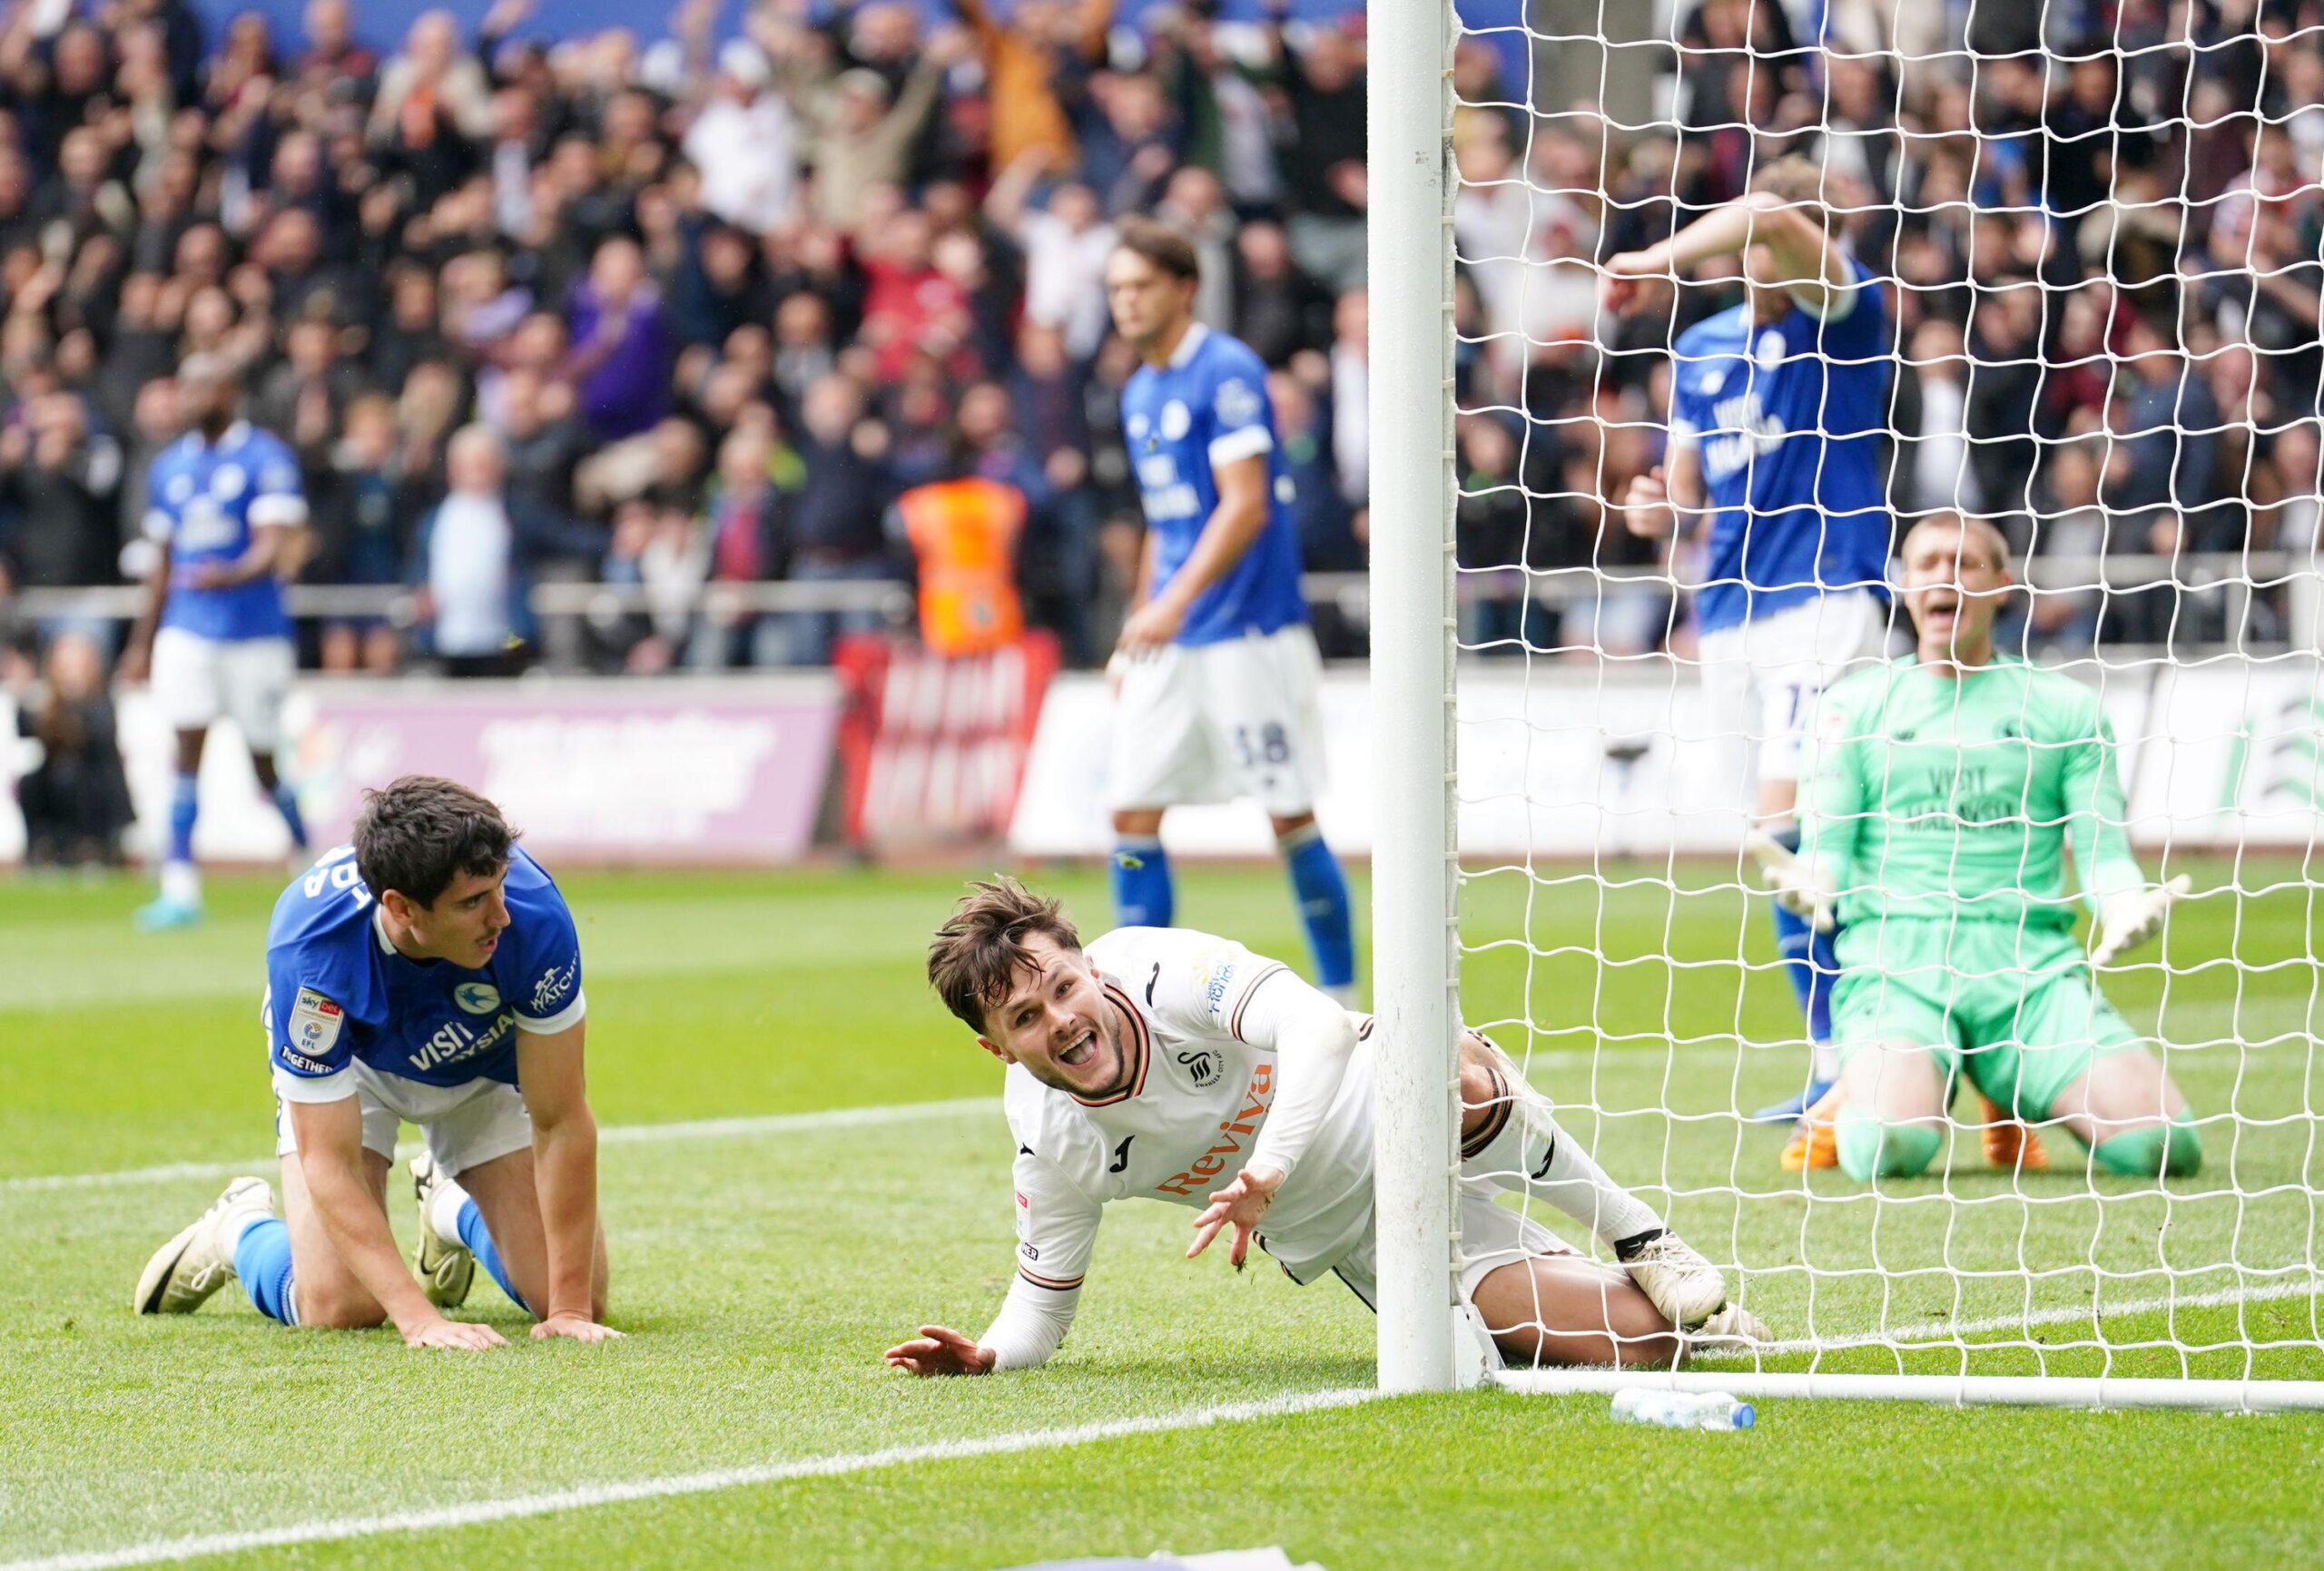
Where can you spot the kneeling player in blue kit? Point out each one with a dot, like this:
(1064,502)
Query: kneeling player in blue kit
(427,972)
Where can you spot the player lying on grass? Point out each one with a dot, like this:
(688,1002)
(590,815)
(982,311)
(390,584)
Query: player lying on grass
(1170,1065)
(427,972)
(1945,787)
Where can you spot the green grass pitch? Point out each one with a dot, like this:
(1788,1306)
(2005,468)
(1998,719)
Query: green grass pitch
(761,1270)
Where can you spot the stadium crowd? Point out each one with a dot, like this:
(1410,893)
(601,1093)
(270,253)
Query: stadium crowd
(675,312)
(668,315)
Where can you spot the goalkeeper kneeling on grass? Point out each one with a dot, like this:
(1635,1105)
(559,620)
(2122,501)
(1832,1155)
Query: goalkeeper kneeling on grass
(1945,787)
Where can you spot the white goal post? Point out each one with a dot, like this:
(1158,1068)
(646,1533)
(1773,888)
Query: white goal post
(1614,933)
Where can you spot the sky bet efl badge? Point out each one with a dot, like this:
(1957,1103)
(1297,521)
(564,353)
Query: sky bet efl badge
(315,1021)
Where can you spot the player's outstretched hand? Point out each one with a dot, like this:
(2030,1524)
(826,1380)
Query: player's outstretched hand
(580,1328)
(940,1350)
(466,1335)
(1796,887)
(1239,1205)
(2134,916)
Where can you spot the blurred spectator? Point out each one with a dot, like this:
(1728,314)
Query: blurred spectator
(741,534)
(474,553)
(75,796)
(836,535)
(58,525)
(745,143)
(363,512)
(620,362)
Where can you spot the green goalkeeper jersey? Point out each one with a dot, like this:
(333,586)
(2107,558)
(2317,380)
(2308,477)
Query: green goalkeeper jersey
(1931,797)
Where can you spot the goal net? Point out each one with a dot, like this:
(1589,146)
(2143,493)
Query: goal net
(2077,298)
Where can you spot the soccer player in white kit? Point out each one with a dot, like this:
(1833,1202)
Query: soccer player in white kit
(224,505)
(1172,1065)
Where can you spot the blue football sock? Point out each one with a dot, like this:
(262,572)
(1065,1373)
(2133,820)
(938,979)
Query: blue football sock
(479,1241)
(186,802)
(285,802)
(1322,893)
(1142,893)
(1809,966)
(262,1262)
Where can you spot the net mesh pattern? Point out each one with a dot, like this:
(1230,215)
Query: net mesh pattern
(2088,240)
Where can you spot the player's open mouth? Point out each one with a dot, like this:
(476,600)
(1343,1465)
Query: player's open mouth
(1082,1051)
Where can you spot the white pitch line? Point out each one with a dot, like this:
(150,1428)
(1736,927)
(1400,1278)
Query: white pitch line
(1941,1334)
(615,1134)
(436,1517)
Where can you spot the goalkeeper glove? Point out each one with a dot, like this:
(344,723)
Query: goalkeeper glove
(1800,888)
(2130,918)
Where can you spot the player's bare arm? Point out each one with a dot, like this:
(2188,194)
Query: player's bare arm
(1788,248)
(1241,514)
(330,1161)
(565,1169)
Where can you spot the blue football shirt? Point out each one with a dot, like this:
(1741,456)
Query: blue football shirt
(1209,405)
(338,992)
(204,499)
(1787,420)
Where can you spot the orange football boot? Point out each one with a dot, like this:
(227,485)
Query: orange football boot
(1815,1141)
(2011,1143)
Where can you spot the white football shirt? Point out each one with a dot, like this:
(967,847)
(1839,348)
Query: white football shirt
(1197,1096)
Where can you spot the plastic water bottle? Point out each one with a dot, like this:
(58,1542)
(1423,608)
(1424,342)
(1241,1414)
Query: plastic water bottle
(1682,1409)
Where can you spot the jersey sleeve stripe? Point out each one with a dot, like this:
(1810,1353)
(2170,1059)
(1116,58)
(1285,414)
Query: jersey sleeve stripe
(1235,1023)
(277,511)
(1054,1286)
(1248,442)
(564,1019)
(336,1087)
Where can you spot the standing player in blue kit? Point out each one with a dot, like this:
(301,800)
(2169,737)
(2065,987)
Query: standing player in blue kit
(1217,668)
(429,972)
(224,509)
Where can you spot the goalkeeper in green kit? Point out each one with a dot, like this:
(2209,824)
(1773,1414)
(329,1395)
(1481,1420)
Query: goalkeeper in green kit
(1945,787)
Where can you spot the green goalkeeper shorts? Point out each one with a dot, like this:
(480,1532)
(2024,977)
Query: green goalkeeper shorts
(2016,1009)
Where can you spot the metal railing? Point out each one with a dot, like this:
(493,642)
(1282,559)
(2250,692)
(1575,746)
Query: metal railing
(2228,581)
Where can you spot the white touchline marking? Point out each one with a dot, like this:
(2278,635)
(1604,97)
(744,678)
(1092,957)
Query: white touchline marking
(436,1517)
(614,1134)
(1941,1334)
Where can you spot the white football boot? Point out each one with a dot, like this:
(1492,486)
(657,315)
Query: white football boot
(197,1262)
(1687,1287)
(446,1270)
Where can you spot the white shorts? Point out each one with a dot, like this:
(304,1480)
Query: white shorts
(464,1127)
(1492,1236)
(1213,721)
(1765,675)
(196,679)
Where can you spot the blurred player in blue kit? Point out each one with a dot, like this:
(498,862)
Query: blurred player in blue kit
(1216,665)
(224,511)
(429,972)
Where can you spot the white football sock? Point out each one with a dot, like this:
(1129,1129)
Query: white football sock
(1531,1155)
(444,1213)
(181,883)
